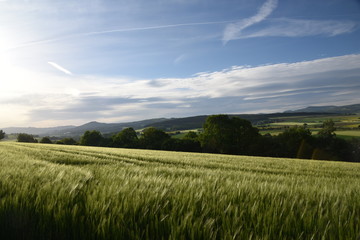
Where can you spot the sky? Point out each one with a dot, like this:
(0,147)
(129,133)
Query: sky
(68,62)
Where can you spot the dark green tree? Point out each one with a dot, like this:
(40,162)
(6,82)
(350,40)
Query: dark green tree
(191,135)
(24,137)
(2,134)
(45,140)
(127,138)
(153,138)
(68,141)
(328,129)
(183,145)
(296,142)
(223,134)
(91,138)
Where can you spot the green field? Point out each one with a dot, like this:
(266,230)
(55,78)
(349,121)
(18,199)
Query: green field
(73,192)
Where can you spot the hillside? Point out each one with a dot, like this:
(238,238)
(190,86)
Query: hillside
(184,123)
(79,130)
(348,109)
(73,192)
(198,121)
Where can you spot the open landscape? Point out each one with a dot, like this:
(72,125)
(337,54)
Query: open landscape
(76,192)
(179,119)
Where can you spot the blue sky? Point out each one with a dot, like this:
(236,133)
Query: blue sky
(70,62)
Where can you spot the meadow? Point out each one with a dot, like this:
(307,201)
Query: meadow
(76,192)
(348,126)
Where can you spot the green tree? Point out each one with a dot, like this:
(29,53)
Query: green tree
(223,134)
(328,129)
(296,142)
(153,138)
(68,141)
(24,137)
(191,135)
(2,134)
(91,138)
(127,138)
(45,140)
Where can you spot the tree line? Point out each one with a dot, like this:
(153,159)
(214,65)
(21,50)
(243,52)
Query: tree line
(228,135)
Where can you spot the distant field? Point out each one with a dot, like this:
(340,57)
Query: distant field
(292,124)
(347,134)
(73,192)
(348,125)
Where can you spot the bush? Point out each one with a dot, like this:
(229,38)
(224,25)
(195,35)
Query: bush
(23,137)
(153,138)
(127,138)
(91,138)
(2,134)
(45,140)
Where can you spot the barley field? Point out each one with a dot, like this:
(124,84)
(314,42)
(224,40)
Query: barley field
(75,192)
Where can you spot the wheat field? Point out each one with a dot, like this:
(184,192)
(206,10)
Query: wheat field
(75,192)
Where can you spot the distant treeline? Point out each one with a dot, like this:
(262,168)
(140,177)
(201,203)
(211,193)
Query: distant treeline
(229,135)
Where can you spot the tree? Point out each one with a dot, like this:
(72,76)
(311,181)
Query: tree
(68,141)
(328,129)
(91,138)
(45,140)
(153,138)
(127,138)
(2,134)
(223,134)
(296,142)
(191,135)
(23,137)
(183,145)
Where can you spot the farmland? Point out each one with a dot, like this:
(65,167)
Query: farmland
(73,192)
(347,125)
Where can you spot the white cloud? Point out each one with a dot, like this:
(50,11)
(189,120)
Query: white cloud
(300,28)
(60,68)
(28,98)
(284,27)
(233,30)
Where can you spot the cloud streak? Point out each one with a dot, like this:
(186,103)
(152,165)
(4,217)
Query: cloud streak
(301,28)
(60,68)
(233,30)
(284,27)
(116,30)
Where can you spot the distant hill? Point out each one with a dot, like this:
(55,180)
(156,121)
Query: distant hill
(348,109)
(174,124)
(198,121)
(36,131)
(79,130)
(109,127)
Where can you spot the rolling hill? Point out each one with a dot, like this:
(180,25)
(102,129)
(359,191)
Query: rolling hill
(184,123)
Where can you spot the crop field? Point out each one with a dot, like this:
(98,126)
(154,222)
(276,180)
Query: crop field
(348,125)
(73,192)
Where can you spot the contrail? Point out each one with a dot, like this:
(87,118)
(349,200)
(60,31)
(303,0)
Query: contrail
(234,29)
(60,68)
(155,27)
(33,43)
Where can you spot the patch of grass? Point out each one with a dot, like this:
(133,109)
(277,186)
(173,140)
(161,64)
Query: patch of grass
(75,192)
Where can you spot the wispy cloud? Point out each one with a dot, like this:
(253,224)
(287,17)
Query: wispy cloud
(60,68)
(111,31)
(156,27)
(300,28)
(233,30)
(284,27)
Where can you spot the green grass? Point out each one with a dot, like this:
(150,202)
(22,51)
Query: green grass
(292,124)
(73,192)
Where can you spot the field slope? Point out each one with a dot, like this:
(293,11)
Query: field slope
(72,192)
